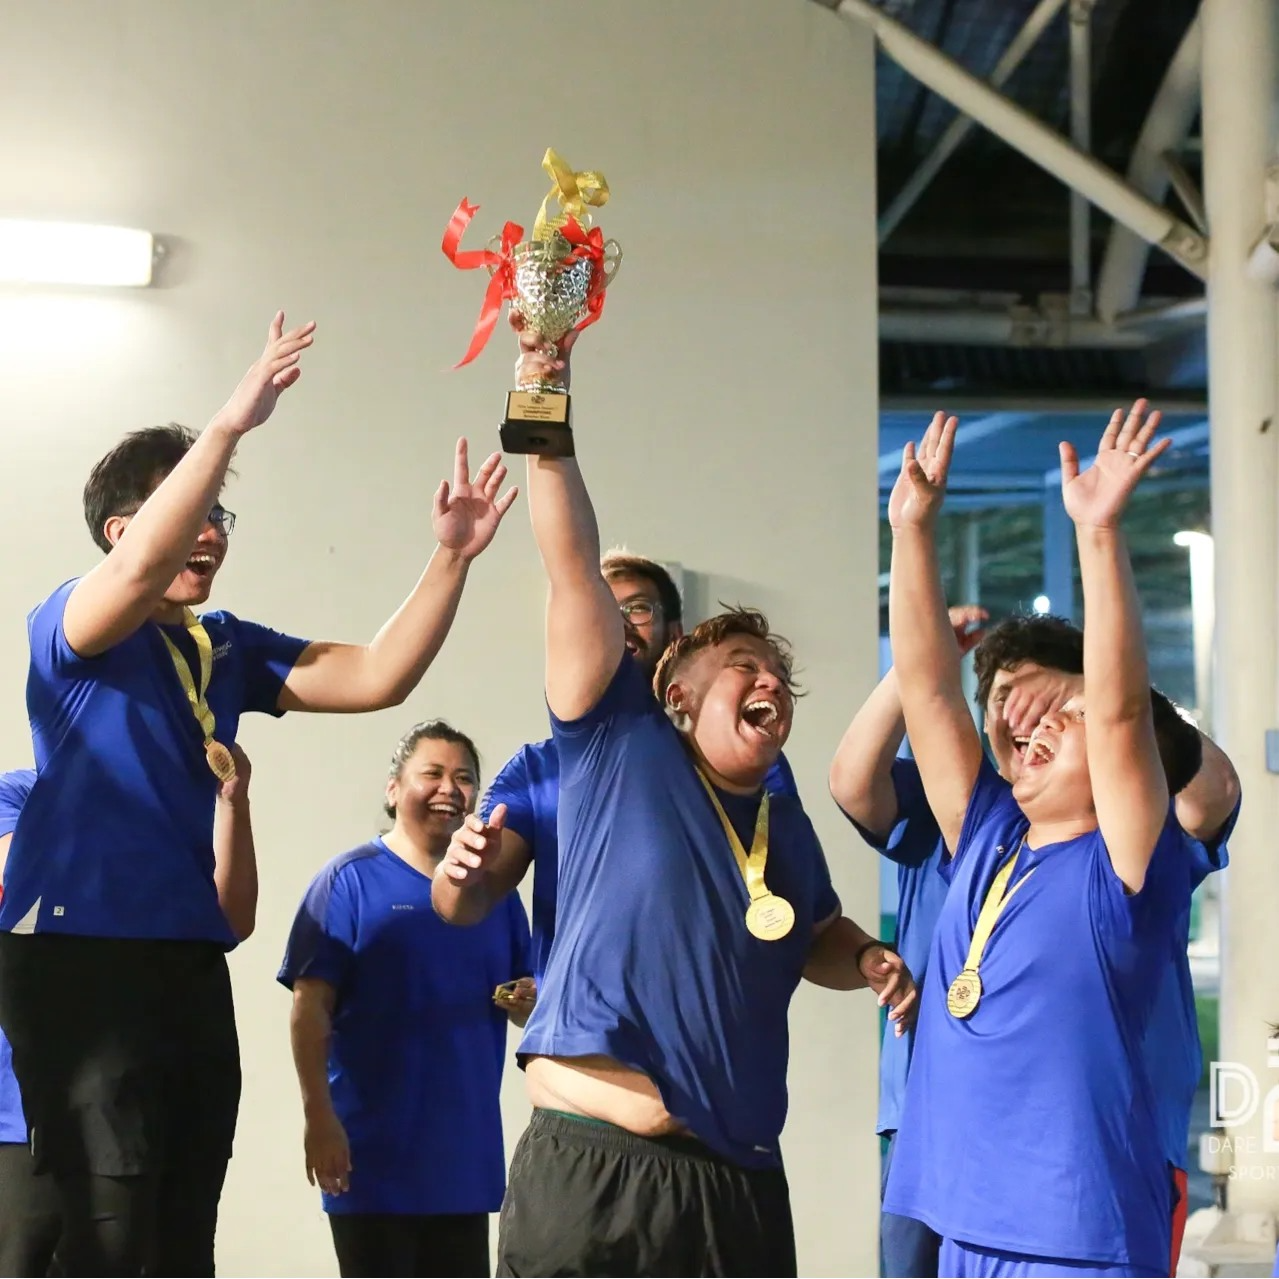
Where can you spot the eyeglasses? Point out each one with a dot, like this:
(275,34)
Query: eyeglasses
(639,612)
(223,520)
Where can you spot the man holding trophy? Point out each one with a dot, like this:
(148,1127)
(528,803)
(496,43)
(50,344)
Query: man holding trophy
(690,902)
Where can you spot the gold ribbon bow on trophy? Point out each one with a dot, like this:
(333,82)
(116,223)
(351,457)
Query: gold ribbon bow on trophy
(574,191)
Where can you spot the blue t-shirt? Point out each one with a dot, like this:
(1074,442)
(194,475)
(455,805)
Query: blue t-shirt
(415,1058)
(1031,1126)
(116,839)
(915,844)
(1174,1056)
(652,963)
(529,786)
(14,789)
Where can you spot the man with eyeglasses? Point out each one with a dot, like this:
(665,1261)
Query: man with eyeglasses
(528,786)
(114,989)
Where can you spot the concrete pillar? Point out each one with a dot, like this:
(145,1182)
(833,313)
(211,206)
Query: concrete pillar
(1239,86)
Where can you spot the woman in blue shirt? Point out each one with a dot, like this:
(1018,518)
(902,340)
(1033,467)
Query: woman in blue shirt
(388,1001)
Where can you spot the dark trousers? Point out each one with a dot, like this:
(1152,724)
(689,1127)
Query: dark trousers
(127,1059)
(590,1199)
(402,1246)
(908,1249)
(30,1214)
(152,1224)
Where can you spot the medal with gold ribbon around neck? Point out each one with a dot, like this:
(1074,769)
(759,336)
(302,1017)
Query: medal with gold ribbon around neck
(220,760)
(768,917)
(965,991)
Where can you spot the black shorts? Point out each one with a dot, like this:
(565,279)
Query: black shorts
(125,1051)
(586,1198)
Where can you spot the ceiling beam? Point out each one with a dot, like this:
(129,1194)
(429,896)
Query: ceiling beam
(962,125)
(1169,120)
(1100,402)
(1034,139)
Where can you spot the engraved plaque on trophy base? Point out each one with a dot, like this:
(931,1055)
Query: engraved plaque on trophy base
(538,422)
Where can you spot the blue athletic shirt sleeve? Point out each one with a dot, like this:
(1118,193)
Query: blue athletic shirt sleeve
(1207,856)
(912,840)
(991,799)
(14,789)
(49,648)
(323,938)
(268,656)
(511,787)
(825,899)
(627,697)
(1164,893)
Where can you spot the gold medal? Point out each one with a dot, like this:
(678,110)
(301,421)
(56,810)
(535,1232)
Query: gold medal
(964,994)
(965,991)
(770,917)
(221,761)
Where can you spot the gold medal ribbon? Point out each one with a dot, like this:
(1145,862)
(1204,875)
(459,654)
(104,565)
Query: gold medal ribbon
(992,908)
(574,191)
(768,917)
(220,759)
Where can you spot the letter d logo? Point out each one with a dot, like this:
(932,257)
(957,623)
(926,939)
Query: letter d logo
(1232,1094)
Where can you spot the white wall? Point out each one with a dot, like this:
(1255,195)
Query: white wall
(308,155)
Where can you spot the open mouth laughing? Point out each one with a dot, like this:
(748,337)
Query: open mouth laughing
(203,564)
(763,715)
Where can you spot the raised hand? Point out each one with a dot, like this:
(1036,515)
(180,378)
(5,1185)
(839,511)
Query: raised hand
(1098,495)
(275,370)
(474,844)
(887,975)
(917,496)
(1032,694)
(541,360)
(966,620)
(466,516)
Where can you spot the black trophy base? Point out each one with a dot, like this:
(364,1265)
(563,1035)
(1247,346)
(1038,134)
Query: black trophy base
(538,422)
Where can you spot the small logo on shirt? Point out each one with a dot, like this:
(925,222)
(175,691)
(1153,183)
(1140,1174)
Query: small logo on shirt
(222,650)
(403,906)
(59,910)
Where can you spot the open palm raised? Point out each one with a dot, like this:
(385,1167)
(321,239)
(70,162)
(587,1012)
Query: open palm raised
(466,515)
(1097,495)
(917,496)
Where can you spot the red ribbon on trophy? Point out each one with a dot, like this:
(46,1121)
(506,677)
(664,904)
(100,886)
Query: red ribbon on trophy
(587,245)
(500,263)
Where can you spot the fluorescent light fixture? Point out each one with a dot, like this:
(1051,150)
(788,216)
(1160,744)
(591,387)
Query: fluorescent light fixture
(74,253)
(1192,537)
(1041,604)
